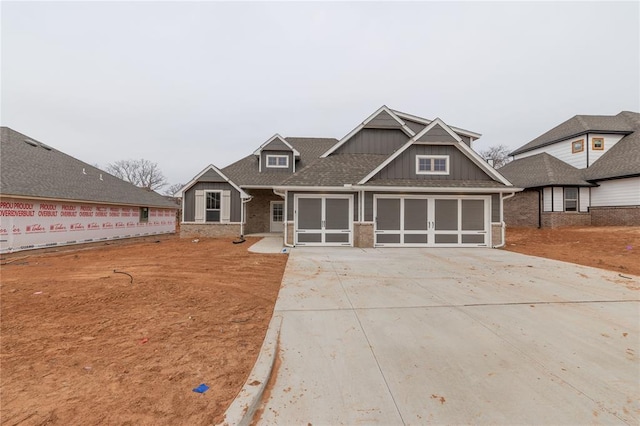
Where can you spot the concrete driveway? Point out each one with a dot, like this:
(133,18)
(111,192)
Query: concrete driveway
(453,336)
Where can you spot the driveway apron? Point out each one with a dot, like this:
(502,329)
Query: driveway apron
(453,336)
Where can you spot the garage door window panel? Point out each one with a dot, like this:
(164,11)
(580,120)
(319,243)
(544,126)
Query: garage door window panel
(337,216)
(415,214)
(388,214)
(446,215)
(309,213)
(473,215)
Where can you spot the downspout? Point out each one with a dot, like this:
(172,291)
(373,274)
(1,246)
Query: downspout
(502,224)
(243,207)
(286,214)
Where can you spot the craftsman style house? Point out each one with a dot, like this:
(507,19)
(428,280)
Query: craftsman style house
(395,180)
(585,171)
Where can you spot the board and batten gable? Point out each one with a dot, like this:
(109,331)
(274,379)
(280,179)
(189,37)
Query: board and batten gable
(374,141)
(563,150)
(404,166)
(276,145)
(211,180)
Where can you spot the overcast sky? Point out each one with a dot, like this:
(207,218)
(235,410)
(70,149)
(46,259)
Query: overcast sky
(189,84)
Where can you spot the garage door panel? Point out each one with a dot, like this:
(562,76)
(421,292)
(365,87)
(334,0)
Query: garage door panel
(473,215)
(388,214)
(446,215)
(415,214)
(473,238)
(309,213)
(416,238)
(446,239)
(337,213)
(388,238)
(308,237)
(337,238)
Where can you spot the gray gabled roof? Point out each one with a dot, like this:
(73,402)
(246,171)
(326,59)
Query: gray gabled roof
(336,170)
(245,172)
(623,159)
(29,168)
(579,125)
(542,170)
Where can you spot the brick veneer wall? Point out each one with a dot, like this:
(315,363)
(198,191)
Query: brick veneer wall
(522,210)
(496,234)
(188,230)
(363,235)
(259,211)
(615,216)
(560,219)
(290,233)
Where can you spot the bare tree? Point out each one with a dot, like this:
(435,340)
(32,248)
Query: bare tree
(497,154)
(172,189)
(142,173)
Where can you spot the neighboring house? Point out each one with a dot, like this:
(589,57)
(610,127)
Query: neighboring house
(48,198)
(395,180)
(586,171)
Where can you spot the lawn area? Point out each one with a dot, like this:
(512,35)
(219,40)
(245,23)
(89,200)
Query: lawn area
(616,248)
(81,343)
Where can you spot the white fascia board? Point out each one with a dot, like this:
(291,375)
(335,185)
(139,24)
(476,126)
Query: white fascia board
(410,142)
(427,122)
(384,108)
(480,162)
(222,175)
(271,139)
(438,189)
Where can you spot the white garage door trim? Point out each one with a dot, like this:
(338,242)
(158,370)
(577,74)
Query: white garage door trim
(324,229)
(433,234)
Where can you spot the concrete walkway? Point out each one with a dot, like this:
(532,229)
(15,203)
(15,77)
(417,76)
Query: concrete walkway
(453,336)
(270,243)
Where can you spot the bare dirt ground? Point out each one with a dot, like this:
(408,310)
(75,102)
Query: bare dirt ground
(81,344)
(613,248)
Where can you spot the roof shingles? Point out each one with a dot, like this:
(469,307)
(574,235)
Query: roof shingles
(31,170)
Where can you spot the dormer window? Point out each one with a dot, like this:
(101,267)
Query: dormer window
(432,164)
(278,161)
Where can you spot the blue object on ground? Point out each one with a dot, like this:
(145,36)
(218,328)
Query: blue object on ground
(201,389)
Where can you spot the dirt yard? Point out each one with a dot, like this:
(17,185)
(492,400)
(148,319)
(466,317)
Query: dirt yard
(82,344)
(613,248)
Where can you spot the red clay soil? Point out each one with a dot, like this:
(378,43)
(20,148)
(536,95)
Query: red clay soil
(82,344)
(613,248)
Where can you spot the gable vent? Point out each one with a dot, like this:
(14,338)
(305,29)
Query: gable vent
(30,142)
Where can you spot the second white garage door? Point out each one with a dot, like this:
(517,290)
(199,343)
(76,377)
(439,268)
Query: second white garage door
(428,221)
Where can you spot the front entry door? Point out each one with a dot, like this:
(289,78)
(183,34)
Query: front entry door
(277,216)
(324,220)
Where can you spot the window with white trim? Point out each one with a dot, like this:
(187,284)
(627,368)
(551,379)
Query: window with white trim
(278,161)
(571,199)
(212,206)
(432,164)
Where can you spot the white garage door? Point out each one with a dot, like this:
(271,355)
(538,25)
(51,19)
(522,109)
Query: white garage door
(323,220)
(422,221)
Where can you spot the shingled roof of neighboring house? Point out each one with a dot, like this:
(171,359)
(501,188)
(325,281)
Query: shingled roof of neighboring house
(623,159)
(29,168)
(542,170)
(244,172)
(579,125)
(336,170)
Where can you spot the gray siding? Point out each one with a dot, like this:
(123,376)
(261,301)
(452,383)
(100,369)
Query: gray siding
(190,199)
(465,139)
(290,204)
(460,167)
(437,134)
(383,121)
(211,176)
(495,208)
(289,169)
(413,125)
(276,145)
(374,141)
